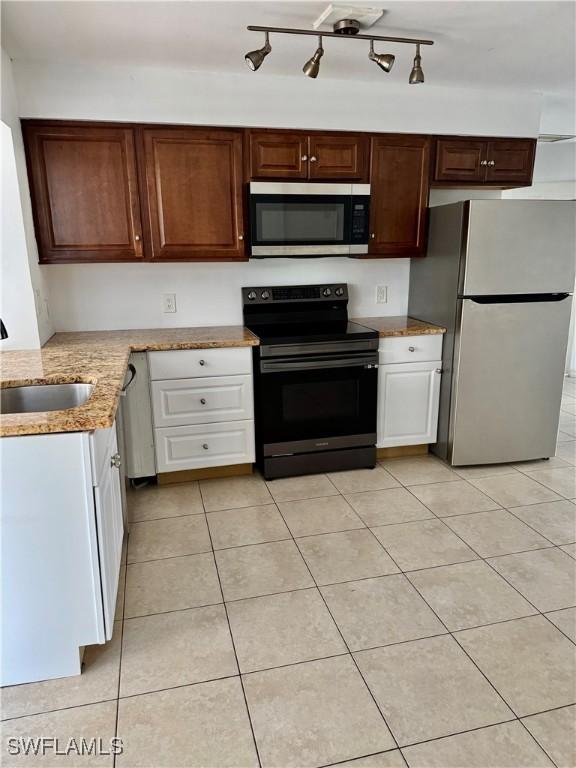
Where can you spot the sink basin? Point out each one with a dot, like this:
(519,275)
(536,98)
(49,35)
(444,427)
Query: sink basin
(43,397)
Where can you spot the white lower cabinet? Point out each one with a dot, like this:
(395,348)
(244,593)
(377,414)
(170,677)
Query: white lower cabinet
(62,531)
(408,396)
(205,419)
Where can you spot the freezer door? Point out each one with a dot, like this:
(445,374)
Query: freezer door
(509,369)
(519,246)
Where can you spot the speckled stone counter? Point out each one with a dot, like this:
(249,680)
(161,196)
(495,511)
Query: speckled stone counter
(398,325)
(99,358)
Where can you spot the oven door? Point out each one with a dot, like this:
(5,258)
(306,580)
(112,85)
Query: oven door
(300,219)
(317,403)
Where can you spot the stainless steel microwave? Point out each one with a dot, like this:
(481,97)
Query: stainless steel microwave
(291,219)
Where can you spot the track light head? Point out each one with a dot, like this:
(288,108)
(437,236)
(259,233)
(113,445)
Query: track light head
(417,75)
(312,66)
(384,60)
(255,58)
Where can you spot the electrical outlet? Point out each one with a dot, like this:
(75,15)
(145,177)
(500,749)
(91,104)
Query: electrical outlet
(381,294)
(169,302)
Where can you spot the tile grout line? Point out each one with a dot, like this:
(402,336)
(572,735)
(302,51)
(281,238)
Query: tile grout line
(231,635)
(121,636)
(351,655)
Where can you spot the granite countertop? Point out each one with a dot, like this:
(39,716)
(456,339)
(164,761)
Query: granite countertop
(99,358)
(399,325)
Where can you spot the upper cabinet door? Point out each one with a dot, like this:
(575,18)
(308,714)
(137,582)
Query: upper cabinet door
(278,155)
(460,160)
(511,161)
(84,187)
(399,195)
(194,187)
(339,157)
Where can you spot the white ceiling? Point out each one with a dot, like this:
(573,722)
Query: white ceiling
(514,44)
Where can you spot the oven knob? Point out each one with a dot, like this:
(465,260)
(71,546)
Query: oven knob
(339,291)
(265,295)
(326,292)
(252,295)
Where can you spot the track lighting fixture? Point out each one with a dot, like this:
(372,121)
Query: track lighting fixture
(312,66)
(255,58)
(344,29)
(384,60)
(417,75)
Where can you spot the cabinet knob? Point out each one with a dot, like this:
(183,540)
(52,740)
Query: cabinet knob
(491,162)
(304,158)
(313,159)
(411,349)
(205,446)
(372,235)
(240,237)
(202,362)
(203,400)
(116,461)
(438,370)
(483,162)
(137,238)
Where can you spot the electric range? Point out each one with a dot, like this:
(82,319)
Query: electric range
(315,380)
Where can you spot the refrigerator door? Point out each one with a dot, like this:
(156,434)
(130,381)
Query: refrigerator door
(508,376)
(519,246)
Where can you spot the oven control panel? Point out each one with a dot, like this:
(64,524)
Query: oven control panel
(288,293)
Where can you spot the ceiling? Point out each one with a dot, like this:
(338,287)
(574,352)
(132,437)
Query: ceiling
(495,45)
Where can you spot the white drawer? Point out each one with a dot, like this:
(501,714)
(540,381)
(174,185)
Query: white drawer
(204,445)
(410,349)
(189,363)
(202,400)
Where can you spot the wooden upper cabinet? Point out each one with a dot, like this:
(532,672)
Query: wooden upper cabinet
(338,157)
(278,155)
(495,162)
(84,187)
(299,155)
(399,195)
(460,160)
(510,161)
(194,193)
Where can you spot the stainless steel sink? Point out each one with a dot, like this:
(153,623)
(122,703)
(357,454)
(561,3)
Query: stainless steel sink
(43,397)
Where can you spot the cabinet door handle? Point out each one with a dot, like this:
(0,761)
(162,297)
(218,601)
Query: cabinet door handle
(203,400)
(372,235)
(116,461)
(304,158)
(313,159)
(438,370)
(137,238)
(492,162)
(240,237)
(205,446)
(201,362)
(411,349)
(483,162)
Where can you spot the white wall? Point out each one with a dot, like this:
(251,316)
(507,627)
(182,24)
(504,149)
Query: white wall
(20,243)
(129,296)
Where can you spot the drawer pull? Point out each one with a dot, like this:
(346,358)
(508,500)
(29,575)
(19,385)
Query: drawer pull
(411,349)
(202,362)
(203,400)
(205,446)
(116,461)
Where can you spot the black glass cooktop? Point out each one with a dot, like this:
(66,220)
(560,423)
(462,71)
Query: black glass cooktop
(302,333)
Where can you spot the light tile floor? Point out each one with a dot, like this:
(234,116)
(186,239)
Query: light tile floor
(412,615)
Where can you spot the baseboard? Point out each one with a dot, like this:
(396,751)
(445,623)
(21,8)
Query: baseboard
(207,473)
(401,450)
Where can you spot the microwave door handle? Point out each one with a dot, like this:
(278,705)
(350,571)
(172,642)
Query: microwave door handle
(277,366)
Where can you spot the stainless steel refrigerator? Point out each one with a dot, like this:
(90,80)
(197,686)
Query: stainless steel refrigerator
(499,274)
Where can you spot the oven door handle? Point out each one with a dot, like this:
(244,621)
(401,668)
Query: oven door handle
(277,366)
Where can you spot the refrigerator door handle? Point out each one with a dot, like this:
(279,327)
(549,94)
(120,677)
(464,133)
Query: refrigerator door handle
(518,298)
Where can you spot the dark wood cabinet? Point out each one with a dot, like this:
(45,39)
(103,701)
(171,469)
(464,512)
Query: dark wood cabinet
(84,187)
(314,156)
(399,183)
(494,162)
(194,193)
